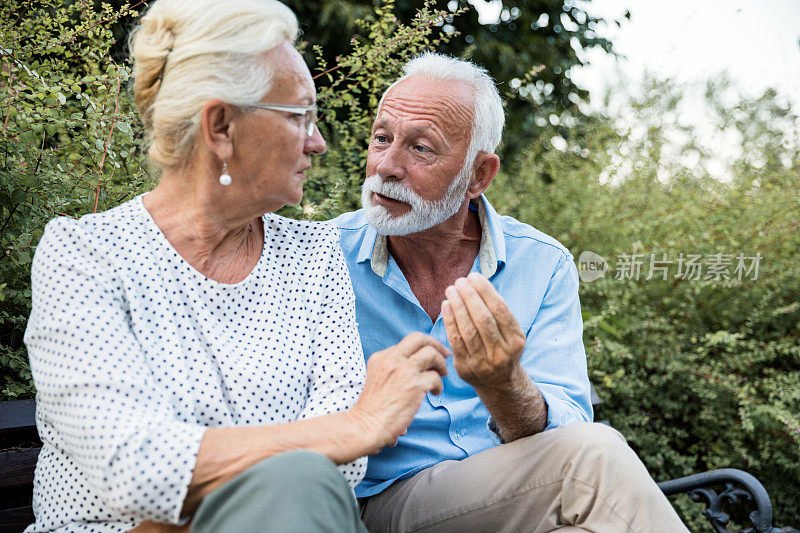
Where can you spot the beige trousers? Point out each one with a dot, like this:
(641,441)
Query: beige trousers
(580,477)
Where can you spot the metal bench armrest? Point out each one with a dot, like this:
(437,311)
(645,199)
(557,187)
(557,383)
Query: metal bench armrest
(739,487)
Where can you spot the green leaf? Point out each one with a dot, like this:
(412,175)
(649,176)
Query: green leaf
(17,197)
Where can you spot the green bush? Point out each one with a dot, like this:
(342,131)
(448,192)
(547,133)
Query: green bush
(69,145)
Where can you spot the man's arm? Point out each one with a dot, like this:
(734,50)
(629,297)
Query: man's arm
(487,348)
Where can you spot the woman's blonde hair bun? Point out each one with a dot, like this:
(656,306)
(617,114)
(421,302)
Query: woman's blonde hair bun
(187,52)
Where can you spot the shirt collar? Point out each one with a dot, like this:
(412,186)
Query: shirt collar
(491,256)
(368,243)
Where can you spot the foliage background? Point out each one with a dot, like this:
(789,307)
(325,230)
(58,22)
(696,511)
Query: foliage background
(696,374)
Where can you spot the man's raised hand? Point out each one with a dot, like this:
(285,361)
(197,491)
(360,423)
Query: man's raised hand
(486,339)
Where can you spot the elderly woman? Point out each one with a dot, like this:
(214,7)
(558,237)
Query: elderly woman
(195,357)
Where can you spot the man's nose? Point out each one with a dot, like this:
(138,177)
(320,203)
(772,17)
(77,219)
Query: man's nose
(390,163)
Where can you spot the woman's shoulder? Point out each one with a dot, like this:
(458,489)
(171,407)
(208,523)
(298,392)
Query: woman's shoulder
(92,234)
(103,221)
(302,233)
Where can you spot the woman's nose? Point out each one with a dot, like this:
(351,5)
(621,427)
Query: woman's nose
(315,144)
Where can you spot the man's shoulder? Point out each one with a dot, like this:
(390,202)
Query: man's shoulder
(526,239)
(352,221)
(353,228)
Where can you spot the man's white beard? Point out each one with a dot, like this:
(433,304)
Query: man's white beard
(424,214)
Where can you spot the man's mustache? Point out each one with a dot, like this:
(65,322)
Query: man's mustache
(391,189)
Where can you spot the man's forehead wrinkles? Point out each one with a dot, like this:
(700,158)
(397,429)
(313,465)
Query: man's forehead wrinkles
(451,115)
(419,124)
(423,104)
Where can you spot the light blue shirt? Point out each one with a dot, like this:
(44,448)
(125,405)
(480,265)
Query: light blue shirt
(537,278)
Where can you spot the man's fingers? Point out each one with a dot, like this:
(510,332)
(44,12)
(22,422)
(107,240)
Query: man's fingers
(506,323)
(428,358)
(480,314)
(414,342)
(453,335)
(466,327)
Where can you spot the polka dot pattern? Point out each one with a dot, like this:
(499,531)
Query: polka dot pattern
(134,353)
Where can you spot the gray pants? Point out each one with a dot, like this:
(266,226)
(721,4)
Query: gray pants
(580,477)
(297,491)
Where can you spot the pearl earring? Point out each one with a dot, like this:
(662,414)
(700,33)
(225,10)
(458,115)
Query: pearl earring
(225,178)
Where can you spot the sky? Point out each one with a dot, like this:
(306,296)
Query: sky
(756,41)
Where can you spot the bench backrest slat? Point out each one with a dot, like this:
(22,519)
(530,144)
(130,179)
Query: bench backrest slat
(20,414)
(17,467)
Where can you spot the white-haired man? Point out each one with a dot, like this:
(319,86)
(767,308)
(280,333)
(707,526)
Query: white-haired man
(509,444)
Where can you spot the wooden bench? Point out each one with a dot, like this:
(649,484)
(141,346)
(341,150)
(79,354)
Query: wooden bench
(19,449)
(719,490)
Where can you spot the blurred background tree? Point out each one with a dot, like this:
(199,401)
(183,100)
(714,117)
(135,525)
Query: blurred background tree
(700,373)
(70,144)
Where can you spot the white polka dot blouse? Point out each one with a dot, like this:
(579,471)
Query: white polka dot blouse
(134,354)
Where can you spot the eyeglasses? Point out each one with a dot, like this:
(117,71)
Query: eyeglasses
(308,112)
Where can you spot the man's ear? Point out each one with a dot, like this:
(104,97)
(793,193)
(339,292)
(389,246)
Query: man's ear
(485,169)
(218,127)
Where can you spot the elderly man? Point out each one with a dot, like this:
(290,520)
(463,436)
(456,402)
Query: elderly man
(509,444)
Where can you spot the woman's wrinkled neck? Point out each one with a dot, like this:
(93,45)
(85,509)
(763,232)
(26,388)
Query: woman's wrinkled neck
(213,234)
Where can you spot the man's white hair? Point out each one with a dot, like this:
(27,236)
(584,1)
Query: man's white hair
(488,115)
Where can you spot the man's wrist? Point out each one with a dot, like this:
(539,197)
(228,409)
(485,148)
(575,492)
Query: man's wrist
(516,382)
(517,407)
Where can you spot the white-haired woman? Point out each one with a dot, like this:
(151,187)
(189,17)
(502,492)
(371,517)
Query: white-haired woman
(194,356)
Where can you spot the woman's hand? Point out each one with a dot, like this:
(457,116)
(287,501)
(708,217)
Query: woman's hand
(398,378)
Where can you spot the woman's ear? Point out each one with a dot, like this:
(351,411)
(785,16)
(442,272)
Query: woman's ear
(218,127)
(486,167)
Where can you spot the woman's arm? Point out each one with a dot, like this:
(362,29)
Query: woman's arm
(338,369)
(226,452)
(97,406)
(398,378)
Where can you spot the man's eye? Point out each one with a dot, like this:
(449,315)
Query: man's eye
(420,148)
(380,138)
